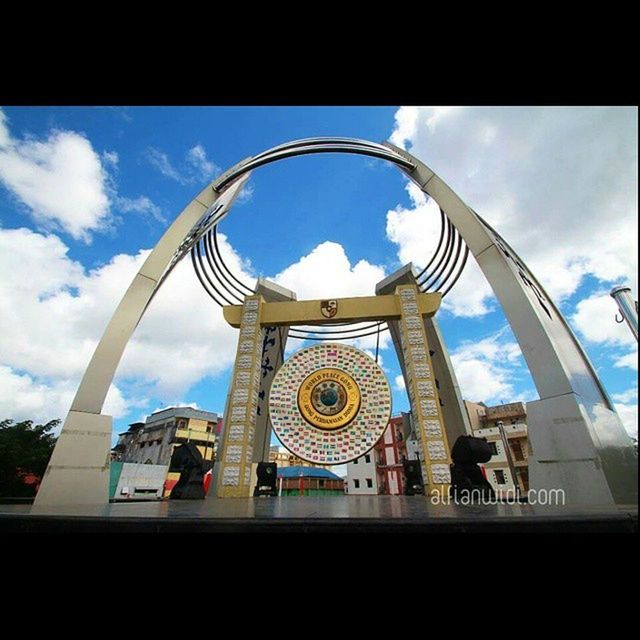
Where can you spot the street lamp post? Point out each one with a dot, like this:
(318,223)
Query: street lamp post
(507,453)
(628,307)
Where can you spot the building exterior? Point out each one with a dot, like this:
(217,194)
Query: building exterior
(362,475)
(505,429)
(391,451)
(134,481)
(309,481)
(284,458)
(381,471)
(153,441)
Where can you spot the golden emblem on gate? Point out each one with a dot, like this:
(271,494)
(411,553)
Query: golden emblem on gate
(329,399)
(329,308)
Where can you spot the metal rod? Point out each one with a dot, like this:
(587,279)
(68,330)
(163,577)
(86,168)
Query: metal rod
(507,453)
(628,307)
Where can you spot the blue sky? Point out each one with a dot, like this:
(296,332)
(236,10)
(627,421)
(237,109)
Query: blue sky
(84,192)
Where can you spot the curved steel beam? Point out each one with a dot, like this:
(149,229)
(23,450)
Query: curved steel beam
(86,432)
(312,146)
(577,439)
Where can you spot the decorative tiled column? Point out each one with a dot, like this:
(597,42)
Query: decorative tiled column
(234,478)
(423,395)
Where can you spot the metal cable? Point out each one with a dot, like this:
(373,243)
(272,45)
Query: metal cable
(425,284)
(250,291)
(435,253)
(460,270)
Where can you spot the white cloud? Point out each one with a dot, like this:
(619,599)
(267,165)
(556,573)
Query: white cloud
(161,162)
(22,397)
(486,369)
(628,410)
(406,123)
(595,320)
(245,194)
(65,183)
(399,383)
(60,179)
(416,231)
(143,205)
(629,360)
(626,396)
(327,273)
(560,184)
(197,168)
(197,158)
(55,312)
(629,416)
(5,136)
(111,158)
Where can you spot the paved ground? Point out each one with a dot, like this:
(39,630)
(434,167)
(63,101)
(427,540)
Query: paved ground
(355,514)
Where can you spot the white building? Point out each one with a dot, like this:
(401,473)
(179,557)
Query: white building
(362,475)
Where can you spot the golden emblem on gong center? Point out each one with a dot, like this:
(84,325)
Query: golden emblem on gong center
(329,399)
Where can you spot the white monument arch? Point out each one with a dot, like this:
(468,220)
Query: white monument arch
(577,440)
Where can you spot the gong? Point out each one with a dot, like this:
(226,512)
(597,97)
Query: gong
(329,403)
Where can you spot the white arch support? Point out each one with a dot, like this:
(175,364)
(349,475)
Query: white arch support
(78,472)
(577,441)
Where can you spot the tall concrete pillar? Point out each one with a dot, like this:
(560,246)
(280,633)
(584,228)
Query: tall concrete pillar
(423,395)
(274,341)
(236,455)
(456,420)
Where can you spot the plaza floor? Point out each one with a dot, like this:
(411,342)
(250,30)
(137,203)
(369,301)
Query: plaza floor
(348,514)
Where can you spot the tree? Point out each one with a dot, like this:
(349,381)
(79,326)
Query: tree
(25,449)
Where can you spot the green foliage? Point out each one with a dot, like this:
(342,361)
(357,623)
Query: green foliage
(24,448)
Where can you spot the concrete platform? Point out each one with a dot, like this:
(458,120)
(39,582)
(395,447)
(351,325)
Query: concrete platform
(353,514)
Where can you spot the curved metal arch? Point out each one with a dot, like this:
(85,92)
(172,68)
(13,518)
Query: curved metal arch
(312,146)
(589,454)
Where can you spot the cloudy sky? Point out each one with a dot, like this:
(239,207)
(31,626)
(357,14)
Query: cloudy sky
(86,193)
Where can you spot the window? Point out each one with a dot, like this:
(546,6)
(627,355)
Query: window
(355,461)
(516,447)
(500,479)
(356,484)
(321,483)
(494,449)
(369,483)
(367,458)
